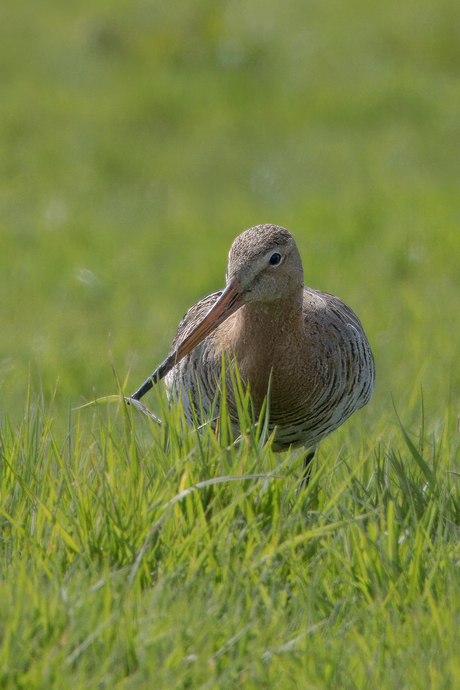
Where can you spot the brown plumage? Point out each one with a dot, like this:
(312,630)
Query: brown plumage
(309,344)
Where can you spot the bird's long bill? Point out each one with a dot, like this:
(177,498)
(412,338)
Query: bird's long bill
(228,303)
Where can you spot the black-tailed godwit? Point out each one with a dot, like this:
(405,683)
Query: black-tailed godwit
(308,344)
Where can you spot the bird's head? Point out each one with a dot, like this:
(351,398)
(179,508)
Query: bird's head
(264,265)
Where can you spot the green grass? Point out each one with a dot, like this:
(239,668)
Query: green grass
(136,553)
(137,139)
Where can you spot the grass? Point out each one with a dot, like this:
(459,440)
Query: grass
(133,552)
(137,140)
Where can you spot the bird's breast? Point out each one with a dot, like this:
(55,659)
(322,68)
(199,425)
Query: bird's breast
(270,349)
(314,362)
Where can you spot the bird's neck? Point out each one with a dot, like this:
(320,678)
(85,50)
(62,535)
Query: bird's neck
(270,321)
(264,338)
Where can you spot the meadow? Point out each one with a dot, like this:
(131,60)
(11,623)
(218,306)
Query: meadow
(137,140)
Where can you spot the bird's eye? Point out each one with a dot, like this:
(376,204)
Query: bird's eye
(275,259)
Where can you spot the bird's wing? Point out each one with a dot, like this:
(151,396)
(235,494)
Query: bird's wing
(193,317)
(336,307)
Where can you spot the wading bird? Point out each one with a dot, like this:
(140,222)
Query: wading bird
(306,348)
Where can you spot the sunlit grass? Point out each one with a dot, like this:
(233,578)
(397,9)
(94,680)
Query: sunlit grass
(136,550)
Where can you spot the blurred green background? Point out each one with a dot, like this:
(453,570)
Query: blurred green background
(137,139)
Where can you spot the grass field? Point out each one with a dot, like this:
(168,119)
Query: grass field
(137,139)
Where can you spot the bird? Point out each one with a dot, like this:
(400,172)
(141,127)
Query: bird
(304,349)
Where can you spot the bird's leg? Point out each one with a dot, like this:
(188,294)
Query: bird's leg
(307,468)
